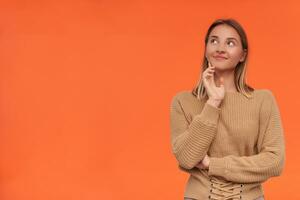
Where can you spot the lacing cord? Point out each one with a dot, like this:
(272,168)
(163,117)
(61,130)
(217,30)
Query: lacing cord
(221,190)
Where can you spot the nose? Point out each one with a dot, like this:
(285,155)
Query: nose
(220,48)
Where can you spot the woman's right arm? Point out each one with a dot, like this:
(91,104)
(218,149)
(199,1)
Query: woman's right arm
(190,141)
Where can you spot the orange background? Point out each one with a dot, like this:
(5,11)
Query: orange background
(86,87)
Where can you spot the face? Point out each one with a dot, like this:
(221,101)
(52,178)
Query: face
(224,48)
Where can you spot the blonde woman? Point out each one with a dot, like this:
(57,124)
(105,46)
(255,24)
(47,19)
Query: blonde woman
(226,135)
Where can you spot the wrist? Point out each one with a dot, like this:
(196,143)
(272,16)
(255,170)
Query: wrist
(208,162)
(214,102)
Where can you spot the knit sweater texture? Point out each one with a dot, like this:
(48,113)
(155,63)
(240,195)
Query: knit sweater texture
(243,138)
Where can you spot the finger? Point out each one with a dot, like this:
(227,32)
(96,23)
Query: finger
(210,65)
(200,166)
(211,70)
(208,75)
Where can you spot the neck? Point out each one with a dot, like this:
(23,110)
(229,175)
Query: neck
(228,77)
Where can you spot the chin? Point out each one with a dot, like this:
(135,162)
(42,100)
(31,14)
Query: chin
(221,66)
(224,67)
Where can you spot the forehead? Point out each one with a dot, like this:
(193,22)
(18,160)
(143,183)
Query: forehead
(224,31)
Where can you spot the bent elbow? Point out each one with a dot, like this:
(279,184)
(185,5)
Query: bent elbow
(185,163)
(279,165)
(278,171)
(183,160)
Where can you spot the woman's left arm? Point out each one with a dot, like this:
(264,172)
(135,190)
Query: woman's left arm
(268,162)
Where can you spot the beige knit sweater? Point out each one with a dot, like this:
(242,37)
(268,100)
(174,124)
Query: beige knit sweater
(243,138)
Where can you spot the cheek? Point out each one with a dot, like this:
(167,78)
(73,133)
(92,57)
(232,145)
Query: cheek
(235,54)
(209,50)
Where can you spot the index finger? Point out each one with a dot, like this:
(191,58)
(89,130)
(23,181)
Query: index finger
(209,64)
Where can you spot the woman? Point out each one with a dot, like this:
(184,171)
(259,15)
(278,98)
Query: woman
(225,134)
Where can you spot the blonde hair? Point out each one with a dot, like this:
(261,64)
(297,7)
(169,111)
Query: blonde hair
(240,70)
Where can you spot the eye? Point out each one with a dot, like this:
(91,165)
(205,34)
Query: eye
(213,41)
(230,43)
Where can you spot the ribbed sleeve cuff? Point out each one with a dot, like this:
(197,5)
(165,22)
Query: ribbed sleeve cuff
(210,114)
(217,167)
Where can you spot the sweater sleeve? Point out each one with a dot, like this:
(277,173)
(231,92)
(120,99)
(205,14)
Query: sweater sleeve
(190,140)
(268,162)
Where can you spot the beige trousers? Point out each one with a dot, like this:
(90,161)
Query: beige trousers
(259,198)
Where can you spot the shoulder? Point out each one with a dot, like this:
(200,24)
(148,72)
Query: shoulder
(263,92)
(268,101)
(187,102)
(264,95)
(184,96)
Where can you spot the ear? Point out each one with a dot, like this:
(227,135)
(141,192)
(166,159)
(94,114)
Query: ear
(243,55)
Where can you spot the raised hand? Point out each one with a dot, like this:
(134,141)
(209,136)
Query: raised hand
(213,91)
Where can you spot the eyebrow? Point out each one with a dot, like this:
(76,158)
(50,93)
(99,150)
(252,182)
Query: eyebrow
(230,38)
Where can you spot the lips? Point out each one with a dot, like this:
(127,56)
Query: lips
(219,57)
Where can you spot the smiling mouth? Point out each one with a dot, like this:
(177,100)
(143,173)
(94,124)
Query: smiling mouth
(219,58)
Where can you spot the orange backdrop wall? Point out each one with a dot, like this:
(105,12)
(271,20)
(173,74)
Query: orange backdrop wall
(86,87)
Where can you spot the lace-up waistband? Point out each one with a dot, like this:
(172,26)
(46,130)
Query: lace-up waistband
(224,190)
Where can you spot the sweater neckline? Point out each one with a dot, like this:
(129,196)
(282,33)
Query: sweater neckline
(229,96)
(234,95)
(230,92)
